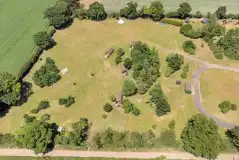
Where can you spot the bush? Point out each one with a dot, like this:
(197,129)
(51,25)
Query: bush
(104,116)
(129,88)
(112,98)
(171,125)
(168,72)
(130,107)
(168,138)
(96,12)
(233,135)
(233,107)
(135,111)
(45,117)
(142,88)
(47,75)
(34,111)
(118,60)
(225,106)
(174,61)
(43,40)
(184,75)
(188,31)
(28,118)
(108,107)
(172,15)
(43,105)
(67,102)
(120,53)
(7,140)
(174,22)
(189,47)
(128,63)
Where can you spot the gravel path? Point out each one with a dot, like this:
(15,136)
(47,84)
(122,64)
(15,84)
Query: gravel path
(197,94)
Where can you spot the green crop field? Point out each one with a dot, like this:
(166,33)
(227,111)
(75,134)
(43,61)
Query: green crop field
(20,19)
(170,5)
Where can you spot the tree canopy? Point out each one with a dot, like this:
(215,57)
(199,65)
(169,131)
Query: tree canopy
(10,89)
(43,40)
(36,135)
(155,11)
(200,137)
(129,88)
(221,12)
(96,12)
(184,10)
(175,61)
(130,12)
(233,135)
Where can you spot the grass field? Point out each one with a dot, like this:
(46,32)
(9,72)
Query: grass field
(81,48)
(171,5)
(19,21)
(217,86)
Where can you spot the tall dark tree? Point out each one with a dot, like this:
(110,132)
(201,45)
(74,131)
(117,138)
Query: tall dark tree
(184,10)
(96,12)
(130,12)
(221,12)
(10,89)
(233,135)
(175,61)
(155,11)
(43,40)
(201,137)
(36,135)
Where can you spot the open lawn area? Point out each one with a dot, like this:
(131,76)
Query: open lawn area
(81,48)
(171,5)
(217,86)
(20,20)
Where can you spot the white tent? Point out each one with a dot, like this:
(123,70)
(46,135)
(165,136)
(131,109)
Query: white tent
(121,21)
(64,71)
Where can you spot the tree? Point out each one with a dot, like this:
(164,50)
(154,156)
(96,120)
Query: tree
(108,107)
(59,15)
(189,47)
(221,12)
(96,12)
(155,11)
(198,14)
(174,61)
(158,98)
(43,40)
(36,135)
(233,136)
(200,137)
(225,106)
(67,102)
(10,89)
(184,10)
(171,125)
(129,88)
(168,138)
(128,63)
(130,12)
(188,31)
(47,75)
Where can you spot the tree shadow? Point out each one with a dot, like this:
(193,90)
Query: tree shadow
(4,109)
(26,92)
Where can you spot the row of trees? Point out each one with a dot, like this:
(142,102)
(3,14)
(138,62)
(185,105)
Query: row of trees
(226,106)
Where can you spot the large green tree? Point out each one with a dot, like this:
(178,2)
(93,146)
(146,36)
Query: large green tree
(233,135)
(130,12)
(36,135)
(184,10)
(155,11)
(129,88)
(174,61)
(201,137)
(221,12)
(96,12)
(43,40)
(10,89)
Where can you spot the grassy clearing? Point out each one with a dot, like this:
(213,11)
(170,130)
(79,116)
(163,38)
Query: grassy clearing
(81,48)
(20,20)
(217,86)
(171,5)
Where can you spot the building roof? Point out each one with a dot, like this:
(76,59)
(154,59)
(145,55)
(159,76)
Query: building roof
(187,87)
(119,97)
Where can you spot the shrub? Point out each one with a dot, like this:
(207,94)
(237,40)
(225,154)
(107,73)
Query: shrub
(130,107)
(188,31)
(34,111)
(43,105)
(186,68)
(225,106)
(172,15)
(7,140)
(67,102)
(104,116)
(174,22)
(128,63)
(118,60)
(174,61)
(112,98)
(135,111)
(120,53)
(168,72)
(129,88)
(171,125)
(233,107)
(43,40)
(184,75)
(47,75)
(189,47)
(28,118)
(45,117)
(142,88)
(168,138)
(233,135)
(108,107)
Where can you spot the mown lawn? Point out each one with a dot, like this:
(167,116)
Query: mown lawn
(217,86)
(81,48)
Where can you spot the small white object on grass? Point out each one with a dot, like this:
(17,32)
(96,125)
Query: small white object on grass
(59,129)
(121,21)
(64,71)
